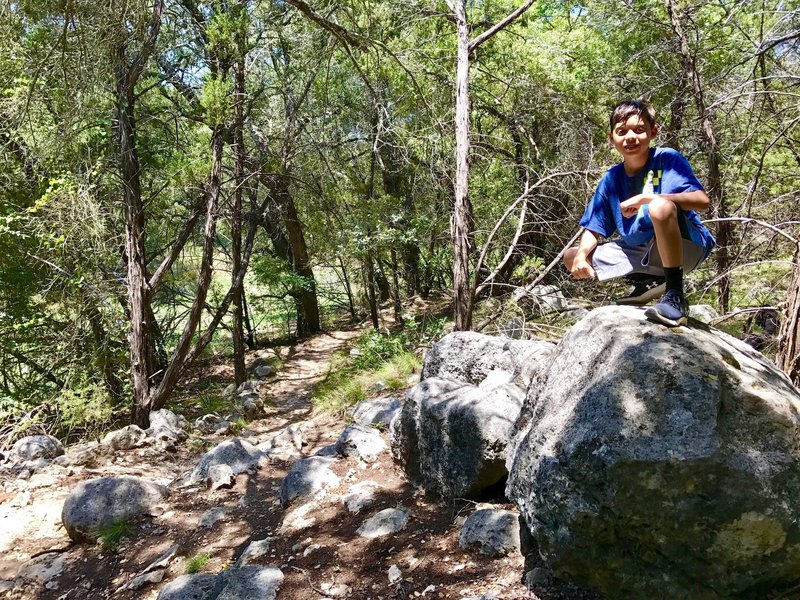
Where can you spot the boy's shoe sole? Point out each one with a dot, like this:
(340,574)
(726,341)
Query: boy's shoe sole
(653,315)
(643,298)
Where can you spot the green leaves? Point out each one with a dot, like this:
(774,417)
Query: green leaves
(217,101)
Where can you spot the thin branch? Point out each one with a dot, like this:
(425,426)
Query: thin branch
(524,290)
(343,35)
(748,220)
(473,45)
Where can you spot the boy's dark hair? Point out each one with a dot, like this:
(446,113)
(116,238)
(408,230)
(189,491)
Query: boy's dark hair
(624,110)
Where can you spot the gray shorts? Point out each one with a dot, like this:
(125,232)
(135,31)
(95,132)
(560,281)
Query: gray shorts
(617,259)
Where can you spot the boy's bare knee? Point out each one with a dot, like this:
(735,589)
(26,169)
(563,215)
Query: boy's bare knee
(662,210)
(569,256)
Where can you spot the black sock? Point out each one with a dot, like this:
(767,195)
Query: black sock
(674,277)
(637,277)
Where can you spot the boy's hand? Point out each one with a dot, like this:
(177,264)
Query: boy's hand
(582,269)
(631,206)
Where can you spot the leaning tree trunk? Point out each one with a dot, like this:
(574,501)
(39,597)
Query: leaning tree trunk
(788,358)
(180,355)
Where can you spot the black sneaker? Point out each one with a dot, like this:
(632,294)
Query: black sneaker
(644,290)
(672,310)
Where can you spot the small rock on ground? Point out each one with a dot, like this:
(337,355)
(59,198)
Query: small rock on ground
(386,522)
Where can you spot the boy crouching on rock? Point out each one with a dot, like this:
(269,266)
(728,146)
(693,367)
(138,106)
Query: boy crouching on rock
(650,199)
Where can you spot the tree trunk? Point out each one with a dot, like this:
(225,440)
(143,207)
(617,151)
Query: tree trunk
(461,225)
(348,289)
(237,328)
(369,283)
(138,293)
(398,306)
(788,358)
(305,296)
(710,143)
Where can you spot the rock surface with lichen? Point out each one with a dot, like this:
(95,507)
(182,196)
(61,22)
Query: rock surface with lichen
(660,463)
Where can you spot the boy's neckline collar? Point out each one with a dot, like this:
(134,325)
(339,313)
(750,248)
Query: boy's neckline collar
(650,153)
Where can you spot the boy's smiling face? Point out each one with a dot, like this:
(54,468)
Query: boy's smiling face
(631,138)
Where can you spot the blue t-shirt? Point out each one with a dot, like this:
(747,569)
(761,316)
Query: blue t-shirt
(670,173)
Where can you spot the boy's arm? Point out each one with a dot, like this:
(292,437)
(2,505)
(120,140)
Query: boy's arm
(581,267)
(696,200)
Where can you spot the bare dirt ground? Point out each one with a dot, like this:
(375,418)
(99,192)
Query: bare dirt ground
(37,559)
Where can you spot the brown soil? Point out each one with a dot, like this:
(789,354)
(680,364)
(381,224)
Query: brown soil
(426,551)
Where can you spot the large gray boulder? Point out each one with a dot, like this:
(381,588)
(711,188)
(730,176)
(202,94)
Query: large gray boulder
(451,438)
(661,463)
(468,357)
(100,503)
(240,455)
(38,446)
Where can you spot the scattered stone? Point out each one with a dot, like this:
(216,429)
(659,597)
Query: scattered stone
(238,454)
(164,420)
(429,590)
(386,522)
(514,329)
(311,548)
(90,455)
(40,571)
(286,444)
(41,480)
(255,549)
(360,496)
(335,590)
(250,404)
(211,424)
(251,583)
(492,532)
(220,476)
(306,477)
(547,299)
(131,436)
(378,386)
(451,438)
(249,386)
(657,462)
(379,411)
(703,312)
(198,586)
(213,516)
(361,442)
(229,391)
(154,572)
(97,504)
(299,518)
(32,447)
(395,574)
(264,371)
